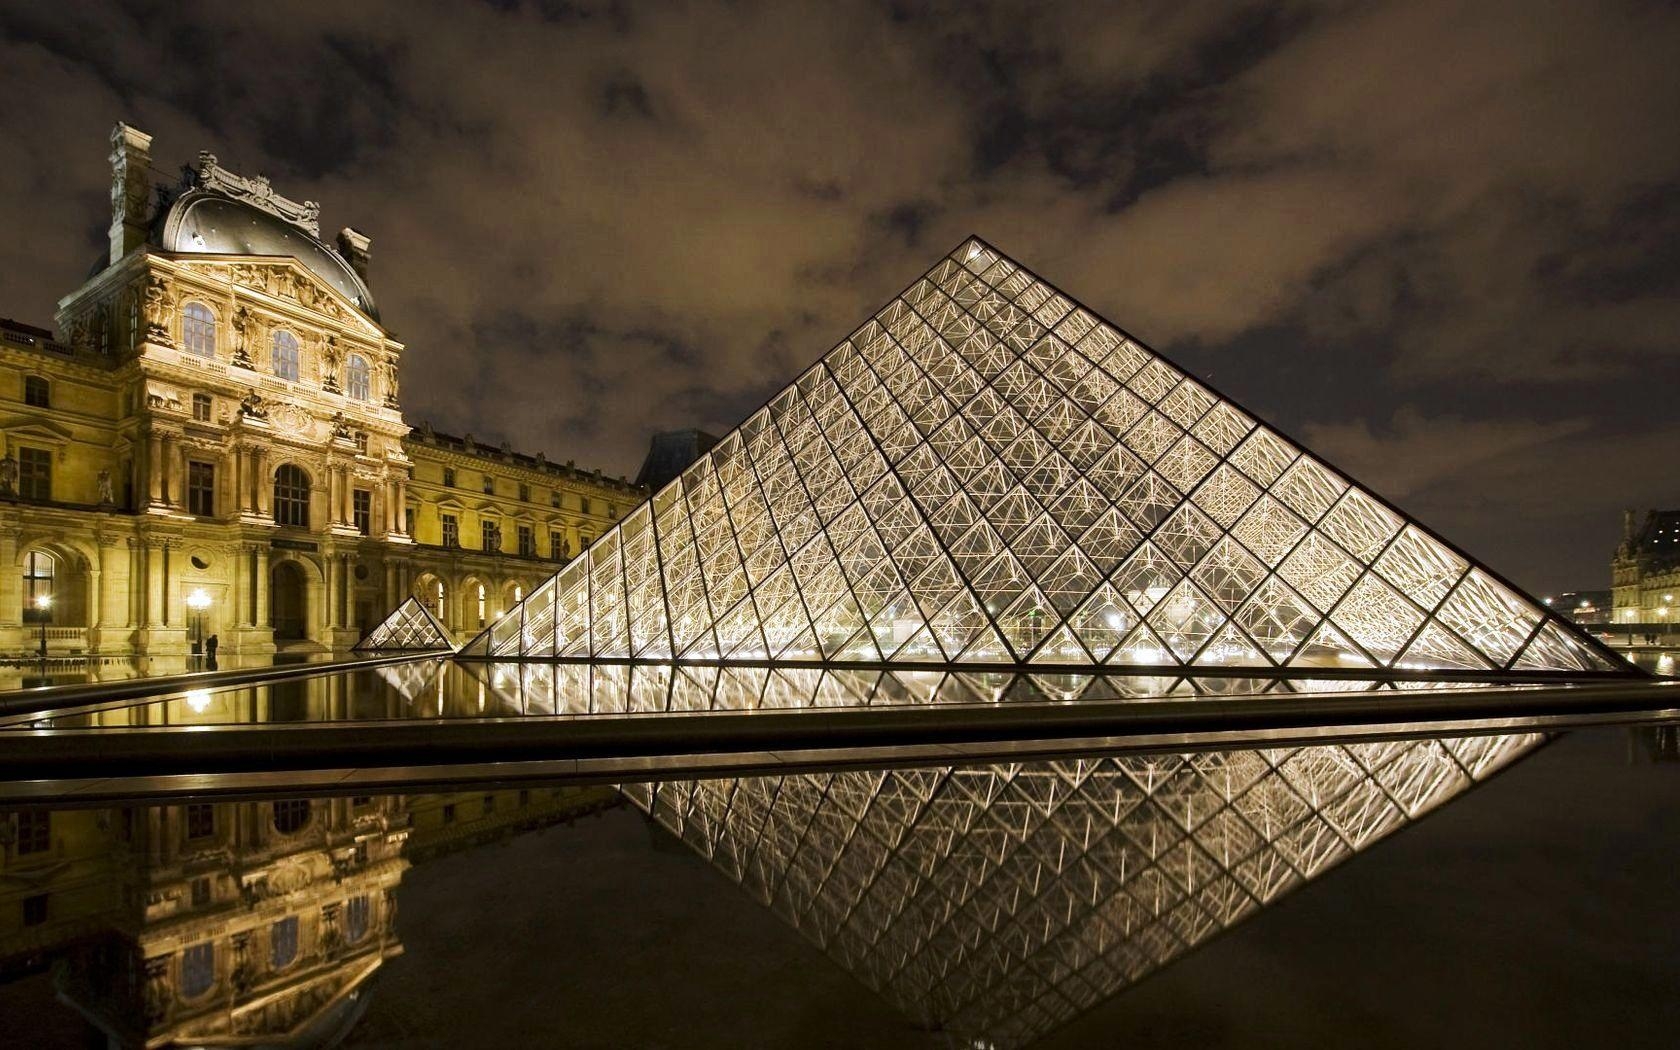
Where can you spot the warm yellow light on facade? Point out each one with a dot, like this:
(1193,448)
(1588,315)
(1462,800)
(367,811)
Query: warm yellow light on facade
(198,600)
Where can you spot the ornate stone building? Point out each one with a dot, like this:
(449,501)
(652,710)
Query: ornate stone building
(1645,573)
(217,445)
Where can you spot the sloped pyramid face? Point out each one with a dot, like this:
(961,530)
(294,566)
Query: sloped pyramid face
(411,627)
(987,473)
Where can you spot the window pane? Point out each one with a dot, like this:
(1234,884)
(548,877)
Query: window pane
(198,330)
(286,356)
(35,473)
(356,383)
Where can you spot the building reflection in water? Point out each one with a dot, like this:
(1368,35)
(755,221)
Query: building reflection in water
(245,923)
(996,903)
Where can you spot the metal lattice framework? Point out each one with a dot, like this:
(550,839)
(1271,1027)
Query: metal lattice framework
(987,473)
(411,627)
(998,902)
(583,688)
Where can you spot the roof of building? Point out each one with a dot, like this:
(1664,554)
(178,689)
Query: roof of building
(466,446)
(1661,532)
(206,222)
(670,453)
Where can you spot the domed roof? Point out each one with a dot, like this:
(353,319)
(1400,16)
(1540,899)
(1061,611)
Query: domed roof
(209,224)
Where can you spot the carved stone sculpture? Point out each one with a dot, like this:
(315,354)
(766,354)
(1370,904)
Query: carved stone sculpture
(242,327)
(8,475)
(253,405)
(106,498)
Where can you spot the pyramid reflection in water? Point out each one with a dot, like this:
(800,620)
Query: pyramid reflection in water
(998,902)
(987,473)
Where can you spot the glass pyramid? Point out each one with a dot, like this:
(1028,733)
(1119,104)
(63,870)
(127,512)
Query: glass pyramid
(987,473)
(411,627)
(995,903)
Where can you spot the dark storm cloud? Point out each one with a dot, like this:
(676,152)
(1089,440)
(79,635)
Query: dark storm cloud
(1436,238)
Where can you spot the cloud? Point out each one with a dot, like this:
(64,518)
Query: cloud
(597,220)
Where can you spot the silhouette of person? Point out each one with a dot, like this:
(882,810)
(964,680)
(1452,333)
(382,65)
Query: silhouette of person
(210,646)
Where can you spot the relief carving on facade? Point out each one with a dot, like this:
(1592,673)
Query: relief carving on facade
(159,298)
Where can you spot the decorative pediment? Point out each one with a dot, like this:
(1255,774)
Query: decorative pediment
(286,279)
(22,428)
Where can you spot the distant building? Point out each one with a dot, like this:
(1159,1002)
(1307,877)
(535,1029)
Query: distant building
(1584,607)
(216,445)
(1646,572)
(670,453)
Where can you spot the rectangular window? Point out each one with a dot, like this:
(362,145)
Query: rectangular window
(361,510)
(201,489)
(449,813)
(451,531)
(200,892)
(556,546)
(201,407)
(527,542)
(36,392)
(361,442)
(524,492)
(489,803)
(448,477)
(34,831)
(201,820)
(408,521)
(554,499)
(35,909)
(35,473)
(491,536)
(489,485)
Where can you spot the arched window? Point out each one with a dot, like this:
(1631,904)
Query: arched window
(481,605)
(198,970)
(39,570)
(198,330)
(356,913)
(286,356)
(356,382)
(283,943)
(291,496)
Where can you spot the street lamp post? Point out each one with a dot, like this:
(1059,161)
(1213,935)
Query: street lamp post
(198,601)
(43,616)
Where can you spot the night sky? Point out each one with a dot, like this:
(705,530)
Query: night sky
(1438,242)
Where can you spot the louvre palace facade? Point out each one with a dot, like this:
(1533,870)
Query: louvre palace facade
(213,443)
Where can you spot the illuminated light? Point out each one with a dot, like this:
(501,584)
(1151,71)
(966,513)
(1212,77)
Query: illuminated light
(198,600)
(43,602)
(198,700)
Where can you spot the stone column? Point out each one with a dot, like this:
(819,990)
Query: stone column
(331,590)
(236,586)
(402,507)
(259,477)
(171,460)
(154,467)
(11,580)
(259,610)
(241,481)
(154,584)
(136,584)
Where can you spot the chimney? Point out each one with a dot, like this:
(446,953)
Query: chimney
(354,247)
(1627,525)
(131,164)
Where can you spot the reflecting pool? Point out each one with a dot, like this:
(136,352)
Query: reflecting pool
(1232,897)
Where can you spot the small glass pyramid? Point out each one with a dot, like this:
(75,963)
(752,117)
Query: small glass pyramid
(987,473)
(411,627)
